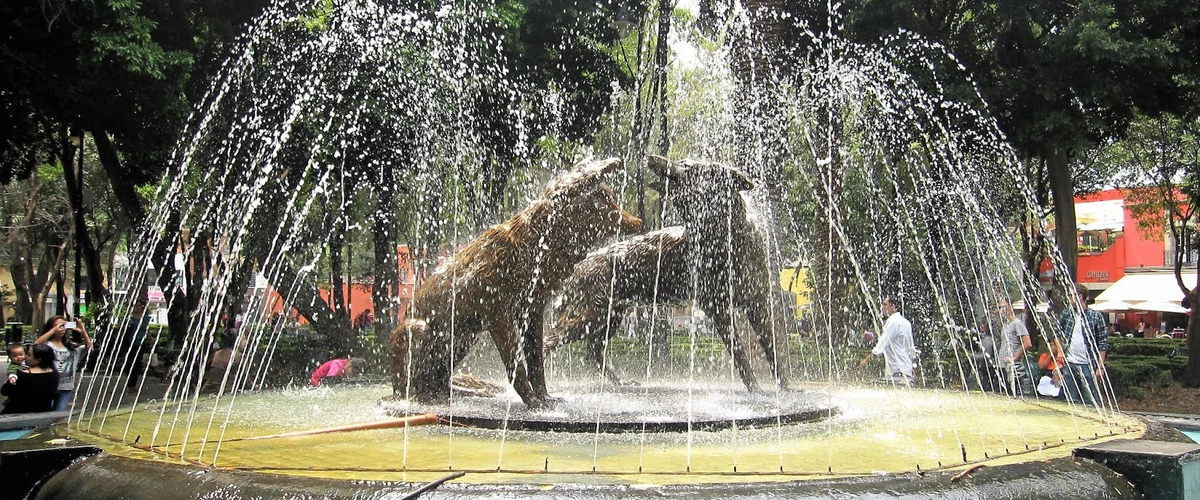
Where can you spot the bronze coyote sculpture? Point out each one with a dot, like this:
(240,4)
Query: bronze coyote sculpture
(717,258)
(500,283)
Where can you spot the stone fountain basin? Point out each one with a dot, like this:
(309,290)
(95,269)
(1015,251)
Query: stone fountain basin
(586,408)
(876,431)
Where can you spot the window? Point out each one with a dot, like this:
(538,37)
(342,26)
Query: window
(1093,242)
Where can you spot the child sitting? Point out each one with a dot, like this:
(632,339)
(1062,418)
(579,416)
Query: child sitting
(1050,384)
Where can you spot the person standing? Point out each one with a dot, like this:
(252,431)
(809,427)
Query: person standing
(34,389)
(67,354)
(1086,334)
(135,337)
(896,342)
(1141,328)
(1015,347)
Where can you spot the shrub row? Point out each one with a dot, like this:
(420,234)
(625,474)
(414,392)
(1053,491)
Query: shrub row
(1130,372)
(1126,346)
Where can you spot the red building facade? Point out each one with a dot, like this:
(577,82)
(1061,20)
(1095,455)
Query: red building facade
(1111,244)
(1108,247)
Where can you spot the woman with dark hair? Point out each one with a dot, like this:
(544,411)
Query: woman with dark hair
(35,389)
(68,354)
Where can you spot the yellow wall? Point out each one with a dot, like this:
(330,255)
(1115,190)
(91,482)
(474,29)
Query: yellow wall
(5,308)
(797,286)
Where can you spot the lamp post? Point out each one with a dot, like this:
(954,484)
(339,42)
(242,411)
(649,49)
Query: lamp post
(77,196)
(624,20)
(627,18)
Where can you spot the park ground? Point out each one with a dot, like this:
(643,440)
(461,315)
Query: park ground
(1171,399)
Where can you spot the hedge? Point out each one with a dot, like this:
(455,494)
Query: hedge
(1129,372)
(1127,346)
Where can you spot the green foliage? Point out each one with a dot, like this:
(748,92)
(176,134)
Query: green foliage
(1137,393)
(1058,75)
(1159,159)
(126,36)
(1164,378)
(318,18)
(1121,347)
(1143,371)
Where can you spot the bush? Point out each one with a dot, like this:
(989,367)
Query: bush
(1129,372)
(1125,346)
(1137,393)
(1164,379)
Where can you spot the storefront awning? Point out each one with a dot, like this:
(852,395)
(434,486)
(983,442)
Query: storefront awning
(1135,288)
(1100,215)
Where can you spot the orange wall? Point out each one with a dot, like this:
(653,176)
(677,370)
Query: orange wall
(358,296)
(1133,248)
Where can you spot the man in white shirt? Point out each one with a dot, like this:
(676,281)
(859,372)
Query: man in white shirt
(896,342)
(1085,335)
(1016,344)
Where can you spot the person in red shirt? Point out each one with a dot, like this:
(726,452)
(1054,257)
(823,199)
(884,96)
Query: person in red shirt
(336,368)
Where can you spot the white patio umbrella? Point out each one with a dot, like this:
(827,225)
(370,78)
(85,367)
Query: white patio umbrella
(1159,306)
(1040,307)
(1112,305)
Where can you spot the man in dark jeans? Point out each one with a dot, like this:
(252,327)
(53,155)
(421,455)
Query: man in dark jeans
(135,338)
(1084,342)
(983,359)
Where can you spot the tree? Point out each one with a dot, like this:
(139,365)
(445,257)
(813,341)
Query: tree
(127,73)
(1059,76)
(1162,157)
(37,231)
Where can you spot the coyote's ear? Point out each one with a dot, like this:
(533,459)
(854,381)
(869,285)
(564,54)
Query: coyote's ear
(597,168)
(663,167)
(741,181)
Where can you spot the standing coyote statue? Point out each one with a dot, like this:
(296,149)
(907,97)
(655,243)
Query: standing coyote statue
(717,258)
(500,283)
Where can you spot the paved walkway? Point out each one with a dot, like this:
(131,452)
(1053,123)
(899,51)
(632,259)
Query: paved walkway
(1176,420)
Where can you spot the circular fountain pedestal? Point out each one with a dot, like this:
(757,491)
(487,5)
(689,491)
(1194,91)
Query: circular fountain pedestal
(658,408)
(865,432)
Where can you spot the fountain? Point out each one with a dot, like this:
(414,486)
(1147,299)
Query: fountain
(885,188)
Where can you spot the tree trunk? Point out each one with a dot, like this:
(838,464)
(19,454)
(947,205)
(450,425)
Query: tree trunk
(22,276)
(60,285)
(828,263)
(1062,187)
(97,292)
(51,270)
(337,267)
(120,179)
(431,231)
(343,340)
(636,133)
(235,303)
(25,282)
(170,280)
(495,181)
(660,73)
(386,269)
(306,299)
(1033,245)
(1191,372)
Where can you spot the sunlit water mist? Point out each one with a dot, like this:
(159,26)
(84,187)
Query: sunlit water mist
(879,185)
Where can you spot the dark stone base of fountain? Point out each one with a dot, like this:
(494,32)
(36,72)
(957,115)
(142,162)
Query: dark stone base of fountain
(632,409)
(106,476)
(24,470)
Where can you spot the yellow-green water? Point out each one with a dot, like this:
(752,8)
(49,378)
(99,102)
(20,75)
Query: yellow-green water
(879,430)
